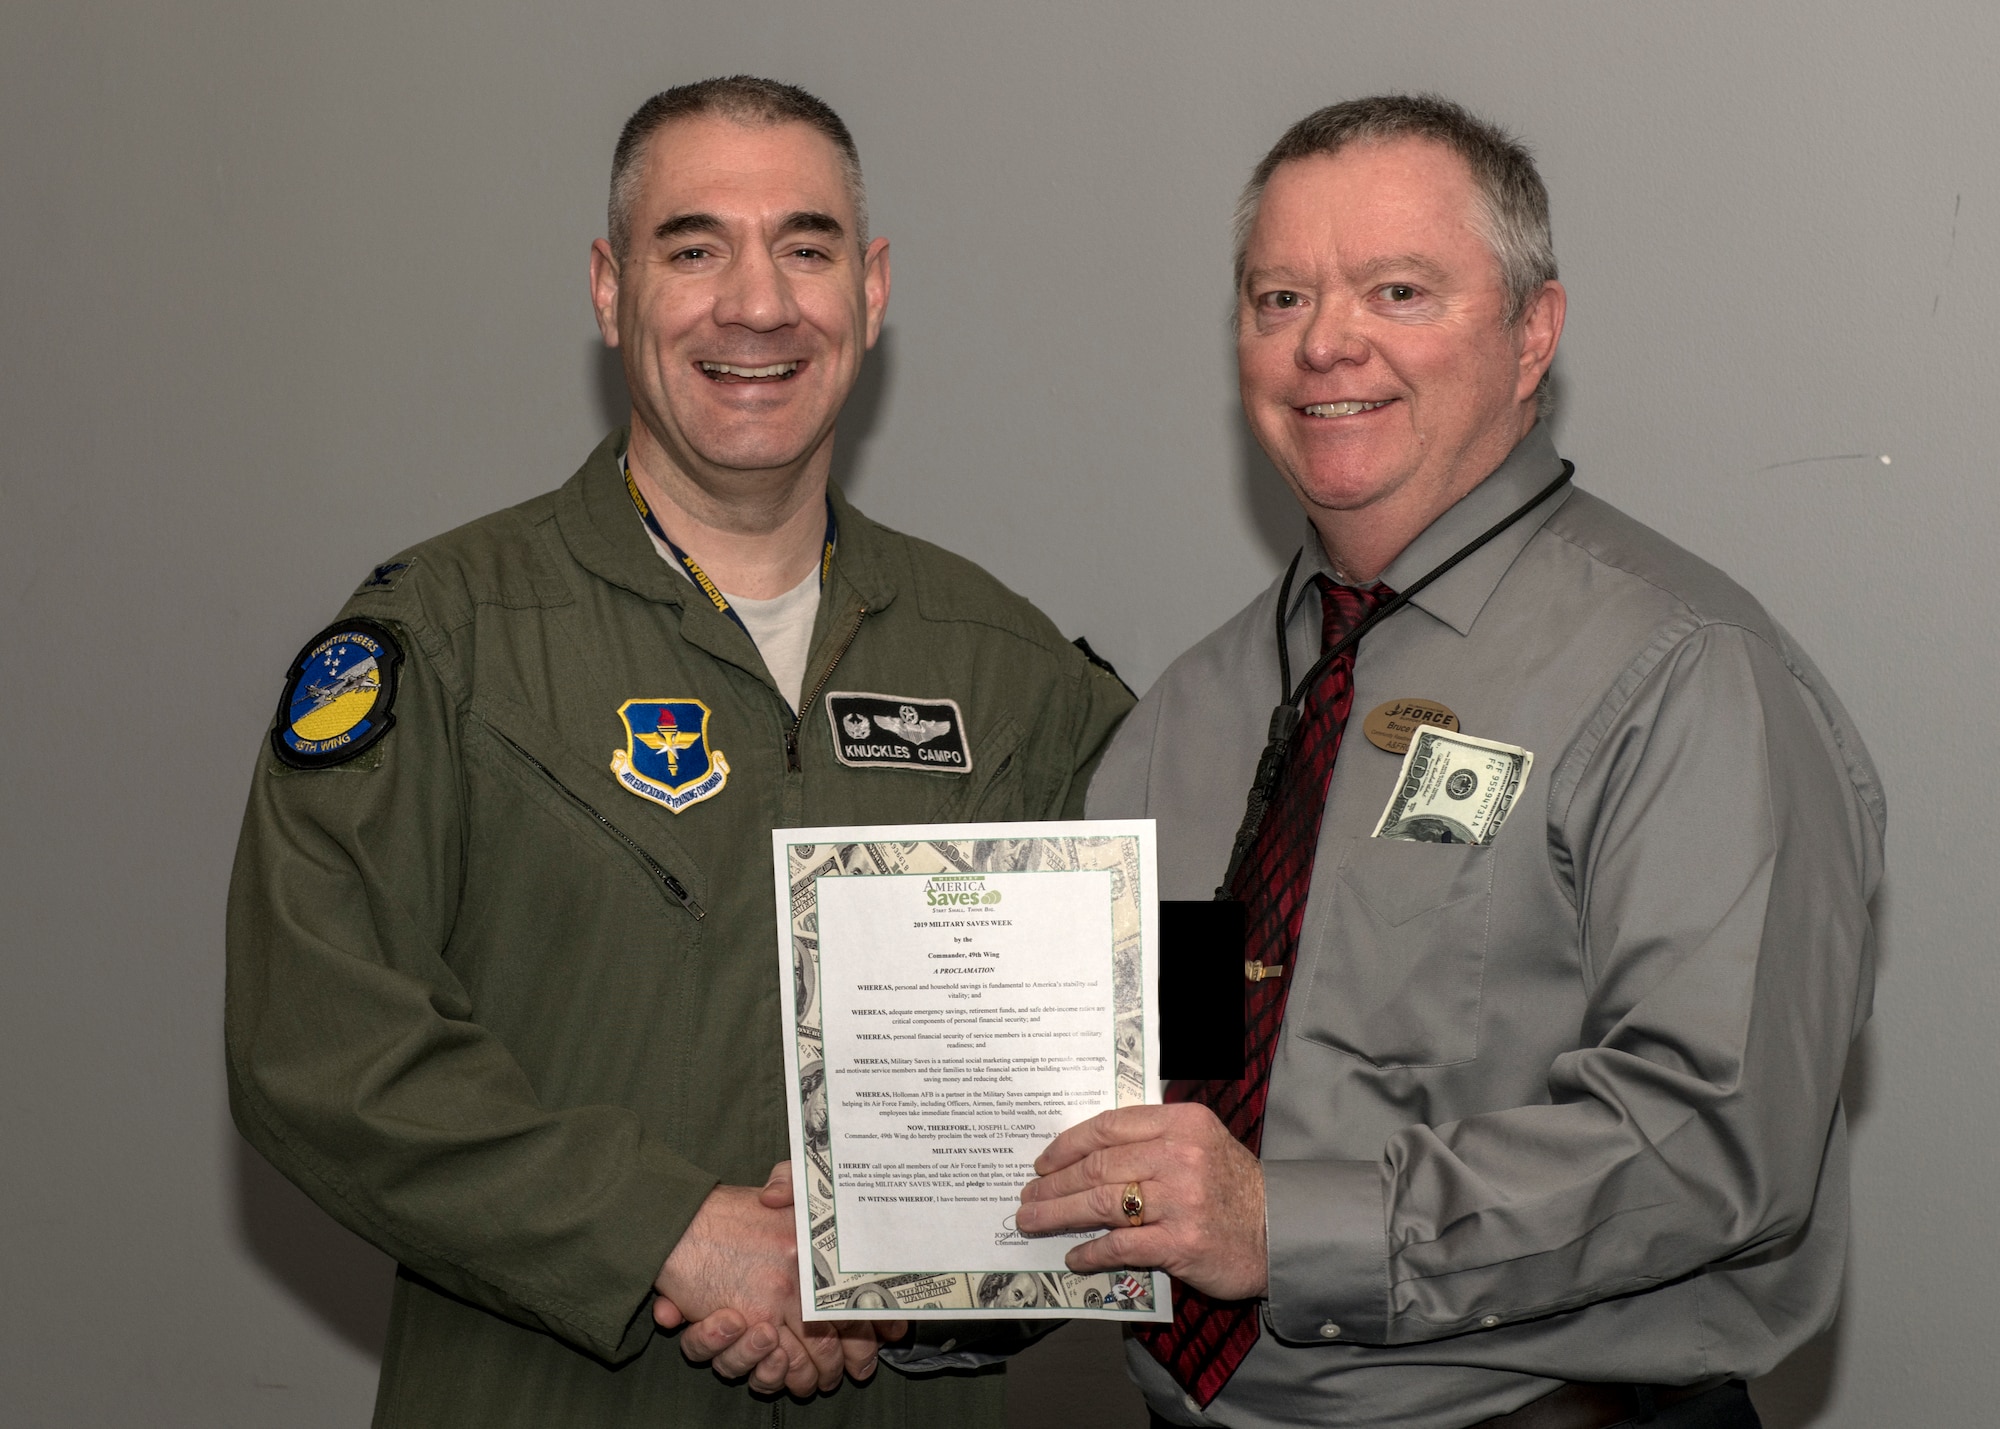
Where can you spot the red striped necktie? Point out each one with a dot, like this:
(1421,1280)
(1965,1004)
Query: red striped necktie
(1209,1338)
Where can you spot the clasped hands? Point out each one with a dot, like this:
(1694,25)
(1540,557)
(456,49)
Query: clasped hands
(733,1281)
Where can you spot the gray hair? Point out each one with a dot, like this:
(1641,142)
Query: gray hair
(1513,214)
(745,99)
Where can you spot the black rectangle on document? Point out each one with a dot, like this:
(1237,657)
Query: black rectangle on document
(1201,989)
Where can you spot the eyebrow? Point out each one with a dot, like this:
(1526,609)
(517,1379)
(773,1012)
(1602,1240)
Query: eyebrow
(1400,263)
(684,223)
(803,221)
(813,221)
(1276,273)
(1369,271)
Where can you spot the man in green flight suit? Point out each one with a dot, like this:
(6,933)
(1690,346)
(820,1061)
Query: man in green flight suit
(502,987)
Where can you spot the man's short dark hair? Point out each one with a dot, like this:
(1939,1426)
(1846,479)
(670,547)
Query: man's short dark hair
(744,98)
(1515,204)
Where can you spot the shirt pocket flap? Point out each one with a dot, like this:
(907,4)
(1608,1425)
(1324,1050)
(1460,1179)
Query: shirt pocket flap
(1392,954)
(1400,878)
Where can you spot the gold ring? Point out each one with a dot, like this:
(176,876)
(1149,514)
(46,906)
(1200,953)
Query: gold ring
(1133,1204)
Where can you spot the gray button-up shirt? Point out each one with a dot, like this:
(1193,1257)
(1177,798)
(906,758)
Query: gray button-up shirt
(1566,1106)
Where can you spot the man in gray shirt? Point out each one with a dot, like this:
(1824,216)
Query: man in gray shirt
(1542,1121)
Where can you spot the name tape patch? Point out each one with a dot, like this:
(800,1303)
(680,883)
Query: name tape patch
(898,732)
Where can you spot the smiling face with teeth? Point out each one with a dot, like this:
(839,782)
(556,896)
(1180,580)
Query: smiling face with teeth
(742,310)
(1375,367)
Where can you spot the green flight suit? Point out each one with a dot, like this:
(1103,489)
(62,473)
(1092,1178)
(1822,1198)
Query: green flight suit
(470,1016)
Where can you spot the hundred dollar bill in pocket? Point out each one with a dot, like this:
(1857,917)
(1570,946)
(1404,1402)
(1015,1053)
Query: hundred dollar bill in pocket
(1454,789)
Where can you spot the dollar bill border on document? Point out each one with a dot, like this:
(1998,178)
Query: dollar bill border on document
(803,857)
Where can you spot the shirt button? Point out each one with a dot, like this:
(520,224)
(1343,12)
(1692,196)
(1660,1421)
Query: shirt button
(1490,1321)
(1329,1331)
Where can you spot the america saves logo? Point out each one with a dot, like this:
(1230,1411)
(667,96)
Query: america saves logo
(959,890)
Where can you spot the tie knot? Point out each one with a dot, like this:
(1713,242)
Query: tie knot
(1343,607)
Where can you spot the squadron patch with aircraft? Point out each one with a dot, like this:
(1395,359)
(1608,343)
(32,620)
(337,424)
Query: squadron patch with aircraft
(338,695)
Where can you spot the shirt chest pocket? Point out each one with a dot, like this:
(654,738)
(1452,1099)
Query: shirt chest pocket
(1391,964)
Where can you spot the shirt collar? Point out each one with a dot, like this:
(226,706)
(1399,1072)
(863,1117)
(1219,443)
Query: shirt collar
(1457,597)
(605,534)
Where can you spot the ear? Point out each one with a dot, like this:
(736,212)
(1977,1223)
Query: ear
(1539,329)
(604,290)
(875,285)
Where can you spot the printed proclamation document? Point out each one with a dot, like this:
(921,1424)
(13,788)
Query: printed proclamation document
(954,996)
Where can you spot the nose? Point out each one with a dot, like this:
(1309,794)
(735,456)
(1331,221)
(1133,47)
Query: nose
(1331,338)
(756,294)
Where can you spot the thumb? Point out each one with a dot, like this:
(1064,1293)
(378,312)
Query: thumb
(777,1192)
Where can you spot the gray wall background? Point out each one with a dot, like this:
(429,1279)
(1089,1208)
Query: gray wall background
(287,287)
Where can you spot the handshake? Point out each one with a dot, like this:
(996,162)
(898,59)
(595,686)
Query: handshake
(733,1282)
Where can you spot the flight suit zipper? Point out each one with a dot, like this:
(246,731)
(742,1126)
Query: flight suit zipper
(792,738)
(676,890)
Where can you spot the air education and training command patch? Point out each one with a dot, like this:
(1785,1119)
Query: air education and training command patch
(667,757)
(338,695)
(898,732)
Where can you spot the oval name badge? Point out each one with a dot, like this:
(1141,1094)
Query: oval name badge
(1392,725)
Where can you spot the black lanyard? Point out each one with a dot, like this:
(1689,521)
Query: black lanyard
(1285,718)
(700,576)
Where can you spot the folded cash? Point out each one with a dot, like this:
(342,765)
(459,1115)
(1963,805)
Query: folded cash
(1454,789)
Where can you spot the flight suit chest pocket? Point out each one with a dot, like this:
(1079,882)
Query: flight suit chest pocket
(997,789)
(1392,956)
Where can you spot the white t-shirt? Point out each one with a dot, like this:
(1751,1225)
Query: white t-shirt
(781,627)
